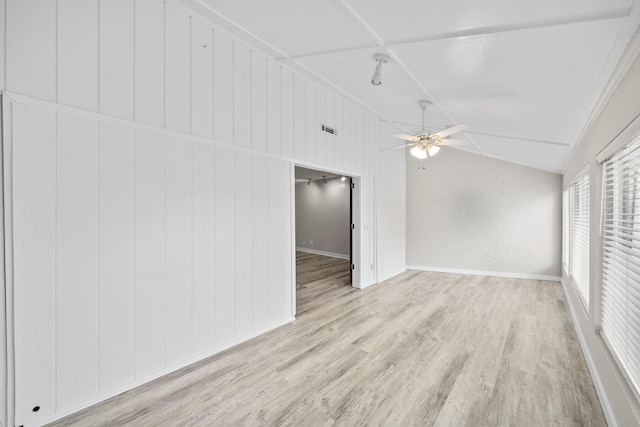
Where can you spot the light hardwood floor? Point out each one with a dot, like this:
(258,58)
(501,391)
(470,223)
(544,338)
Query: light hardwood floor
(420,349)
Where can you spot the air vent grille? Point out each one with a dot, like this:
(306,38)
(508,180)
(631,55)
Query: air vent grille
(327,129)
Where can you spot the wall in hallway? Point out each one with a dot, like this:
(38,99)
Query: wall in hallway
(322,216)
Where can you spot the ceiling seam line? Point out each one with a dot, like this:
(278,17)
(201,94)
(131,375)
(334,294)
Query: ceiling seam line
(355,16)
(238,26)
(502,30)
(455,35)
(416,82)
(432,126)
(405,70)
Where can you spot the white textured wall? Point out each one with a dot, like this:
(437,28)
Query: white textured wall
(469,212)
(390,228)
(323,217)
(152,218)
(620,404)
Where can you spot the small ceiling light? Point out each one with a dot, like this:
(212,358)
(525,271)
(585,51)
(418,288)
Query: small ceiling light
(422,151)
(324,178)
(343,179)
(380,58)
(432,150)
(419,152)
(309,182)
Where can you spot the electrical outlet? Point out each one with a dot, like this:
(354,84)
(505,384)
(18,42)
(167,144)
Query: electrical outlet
(371,266)
(311,242)
(304,243)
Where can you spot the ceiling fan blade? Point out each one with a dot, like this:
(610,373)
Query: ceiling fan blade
(453,142)
(406,136)
(400,146)
(452,130)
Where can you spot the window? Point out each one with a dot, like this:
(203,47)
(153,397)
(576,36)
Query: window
(575,234)
(620,309)
(565,231)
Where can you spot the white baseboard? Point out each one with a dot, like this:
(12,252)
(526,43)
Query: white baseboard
(323,253)
(365,285)
(174,367)
(485,273)
(597,382)
(391,275)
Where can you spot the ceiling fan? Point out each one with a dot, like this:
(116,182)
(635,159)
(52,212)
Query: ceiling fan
(428,144)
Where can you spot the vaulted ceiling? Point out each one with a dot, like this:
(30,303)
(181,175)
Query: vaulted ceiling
(524,76)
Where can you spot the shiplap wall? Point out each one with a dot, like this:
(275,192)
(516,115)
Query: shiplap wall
(153,247)
(133,252)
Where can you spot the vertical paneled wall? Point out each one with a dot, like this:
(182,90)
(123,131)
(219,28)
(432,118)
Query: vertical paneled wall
(126,257)
(154,247)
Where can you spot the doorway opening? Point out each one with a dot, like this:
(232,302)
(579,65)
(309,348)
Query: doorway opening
(326,236)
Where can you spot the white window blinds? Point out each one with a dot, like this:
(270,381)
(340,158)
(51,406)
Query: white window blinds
(579,235)
(620,308)
(565,231)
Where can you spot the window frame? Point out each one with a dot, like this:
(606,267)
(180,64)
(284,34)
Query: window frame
(618,196)
(577,200)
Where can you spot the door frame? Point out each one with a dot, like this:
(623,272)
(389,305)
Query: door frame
(356,231)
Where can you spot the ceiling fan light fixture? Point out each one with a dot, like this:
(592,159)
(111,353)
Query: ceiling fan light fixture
(426,144)
(380,58)
(419,152)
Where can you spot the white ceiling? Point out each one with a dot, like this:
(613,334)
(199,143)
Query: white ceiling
(304,174)
(524,75)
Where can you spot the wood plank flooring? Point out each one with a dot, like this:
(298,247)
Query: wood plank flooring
(420,349)
(319,277)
